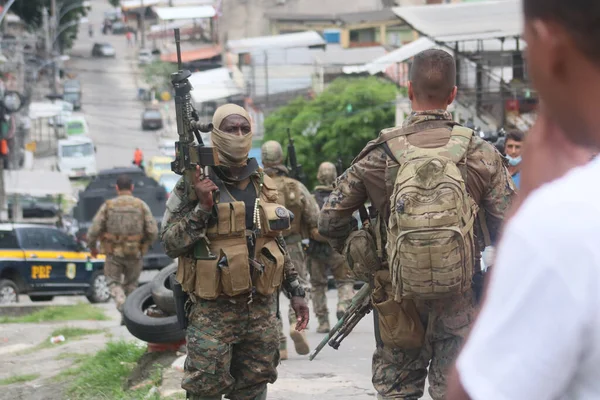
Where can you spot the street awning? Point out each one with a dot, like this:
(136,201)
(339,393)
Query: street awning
(36,183)
(134,4)
(285,41)
(481,20)
(193,55)
(213,84)
(179,13)
(44,110)
(397,56)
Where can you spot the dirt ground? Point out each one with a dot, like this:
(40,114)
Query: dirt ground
(20,356)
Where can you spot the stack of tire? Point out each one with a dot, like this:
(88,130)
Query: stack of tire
(149,311)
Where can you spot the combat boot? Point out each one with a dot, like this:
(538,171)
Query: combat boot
(300,342)
(323,325)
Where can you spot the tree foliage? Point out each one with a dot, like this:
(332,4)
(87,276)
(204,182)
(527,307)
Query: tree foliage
(30,11)
(115,3)
(336,124)
(158,74)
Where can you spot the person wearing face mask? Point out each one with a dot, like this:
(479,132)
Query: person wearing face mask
(513,147)
(232,336)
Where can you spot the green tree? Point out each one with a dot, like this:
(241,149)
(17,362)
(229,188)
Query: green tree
(30,11)
(337,123)
(115,3)
(158,74)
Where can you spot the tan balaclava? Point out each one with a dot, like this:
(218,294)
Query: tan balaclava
(232,149)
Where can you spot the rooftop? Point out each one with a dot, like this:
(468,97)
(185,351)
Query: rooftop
(383,15)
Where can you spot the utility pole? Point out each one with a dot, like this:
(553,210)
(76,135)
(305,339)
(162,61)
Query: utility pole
(54,37)
(143,24)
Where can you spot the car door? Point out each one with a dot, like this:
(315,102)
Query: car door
(42,262)
(71,260)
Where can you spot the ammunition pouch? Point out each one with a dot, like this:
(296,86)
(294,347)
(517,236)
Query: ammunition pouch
(274,219)
(399,323)
(231,274)
(361,254)
(319,250)
(128,246)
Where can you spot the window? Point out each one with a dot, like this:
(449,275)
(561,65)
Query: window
(33,239)
(8,240)
(152,115)
(75,125)
(162,166)
(60,241)
(78,150)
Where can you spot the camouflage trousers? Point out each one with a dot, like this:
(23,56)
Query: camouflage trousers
(401,373)
(122,275)
(232,347)
(317,266)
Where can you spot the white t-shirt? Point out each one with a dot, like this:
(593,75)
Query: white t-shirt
(538,334)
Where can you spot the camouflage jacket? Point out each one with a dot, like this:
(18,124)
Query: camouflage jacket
(488,181)
(132,217)
(309,209)
(185,222)
(321,194)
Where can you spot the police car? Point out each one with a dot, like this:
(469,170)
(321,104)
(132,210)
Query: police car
(43,262)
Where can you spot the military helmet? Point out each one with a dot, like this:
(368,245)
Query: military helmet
(327,173)
(272,153)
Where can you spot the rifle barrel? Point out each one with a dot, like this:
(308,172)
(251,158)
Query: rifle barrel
(178,45)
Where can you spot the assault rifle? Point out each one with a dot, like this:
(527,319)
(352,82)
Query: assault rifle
(188,154)
(359,307)
(295,168)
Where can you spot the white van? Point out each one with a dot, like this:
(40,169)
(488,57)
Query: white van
(77,157)
(65,114)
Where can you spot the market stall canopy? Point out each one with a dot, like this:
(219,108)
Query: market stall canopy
(44,110)
(36,183)
(481,20)
(193,55)
(285,41)
(134,4)
(178,13)
(213,84)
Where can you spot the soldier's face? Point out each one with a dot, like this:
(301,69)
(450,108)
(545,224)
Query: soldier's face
(235,125)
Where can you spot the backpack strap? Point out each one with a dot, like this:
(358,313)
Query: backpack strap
(455,149)
(392,133)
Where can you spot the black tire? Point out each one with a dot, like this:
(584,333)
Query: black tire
(9,292)
(36,298)
(99,291)
(144,327)
(162,294)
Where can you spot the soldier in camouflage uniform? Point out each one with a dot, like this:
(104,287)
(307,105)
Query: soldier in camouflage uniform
(232,337)
(400,373)
(320,255)
(296,197)
(126,229)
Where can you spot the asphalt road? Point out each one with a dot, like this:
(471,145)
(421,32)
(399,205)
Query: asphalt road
(113,115)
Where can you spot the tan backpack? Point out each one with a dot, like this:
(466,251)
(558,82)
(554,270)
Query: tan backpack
(430,238)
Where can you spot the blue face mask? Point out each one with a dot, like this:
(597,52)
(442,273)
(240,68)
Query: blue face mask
(513,161)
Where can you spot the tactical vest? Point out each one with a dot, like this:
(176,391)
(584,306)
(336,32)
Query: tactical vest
(322,194)
(235,271)
(124,227)
(290,196)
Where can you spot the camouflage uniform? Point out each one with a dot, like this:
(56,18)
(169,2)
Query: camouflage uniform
(232,341)
(126,228)
(400,373)
(321,256)
(306,213)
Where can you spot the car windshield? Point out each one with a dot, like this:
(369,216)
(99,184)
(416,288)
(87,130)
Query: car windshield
(152,114)
(162,166)
(75,126)
(78,150)
(107,46)
(71,97)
